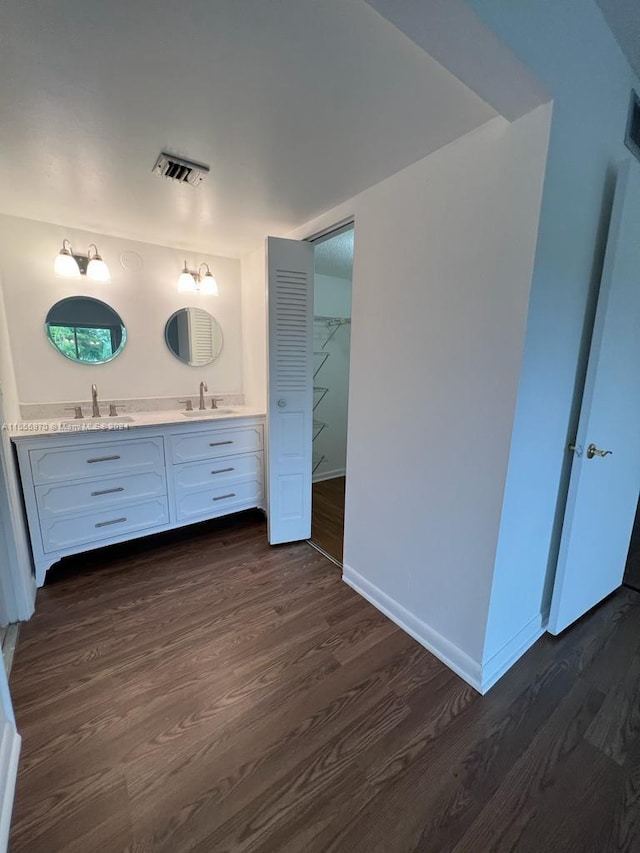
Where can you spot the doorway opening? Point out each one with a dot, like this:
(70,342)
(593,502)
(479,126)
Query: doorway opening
(333,274)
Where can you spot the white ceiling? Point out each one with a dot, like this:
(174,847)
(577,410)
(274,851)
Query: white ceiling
(295,104)
(334,256)
(623,16)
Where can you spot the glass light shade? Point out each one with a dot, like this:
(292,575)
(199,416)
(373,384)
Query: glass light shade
(66,266)
(97,270)
(209,285)
(186,282)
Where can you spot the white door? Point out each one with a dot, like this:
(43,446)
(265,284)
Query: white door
(9,752)
(603,490)
(290,393)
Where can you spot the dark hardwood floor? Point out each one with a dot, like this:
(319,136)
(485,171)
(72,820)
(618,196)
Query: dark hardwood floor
(327,519)
(204,692)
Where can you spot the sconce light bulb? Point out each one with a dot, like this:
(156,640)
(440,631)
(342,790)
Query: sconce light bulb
(65,265)
(186,281)
(209,285)
(97,270)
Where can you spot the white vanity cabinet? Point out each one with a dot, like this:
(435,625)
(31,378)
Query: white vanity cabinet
(216,472)
(83,490)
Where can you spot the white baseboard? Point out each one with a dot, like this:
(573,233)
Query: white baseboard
(453,657)
(329,475)
(496,666)
(480,676)
(9,752)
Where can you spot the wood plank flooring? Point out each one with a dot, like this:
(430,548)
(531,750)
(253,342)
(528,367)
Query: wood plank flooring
(201,691)
(327,519)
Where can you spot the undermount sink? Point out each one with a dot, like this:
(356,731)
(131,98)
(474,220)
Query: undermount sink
(87,423)
(208,413)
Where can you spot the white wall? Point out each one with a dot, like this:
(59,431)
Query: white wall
(570,48)
(9,752)
(443,260)
(254,328)
(451,33)
(442,269)
(144,300)
(17,584)
(332,298)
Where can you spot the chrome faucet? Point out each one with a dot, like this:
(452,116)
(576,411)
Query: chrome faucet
(203,388)
(95,408)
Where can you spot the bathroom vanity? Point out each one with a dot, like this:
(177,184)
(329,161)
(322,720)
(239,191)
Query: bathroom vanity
(87,485)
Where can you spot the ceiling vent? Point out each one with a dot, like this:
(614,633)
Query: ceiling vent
(633,126)
(176,169)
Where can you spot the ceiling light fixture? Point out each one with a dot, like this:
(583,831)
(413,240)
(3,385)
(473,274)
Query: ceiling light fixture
(69,265)
(197,282)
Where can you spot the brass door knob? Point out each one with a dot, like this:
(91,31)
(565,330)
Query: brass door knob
(592,451)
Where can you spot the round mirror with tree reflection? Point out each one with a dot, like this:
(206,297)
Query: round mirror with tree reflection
(85,330)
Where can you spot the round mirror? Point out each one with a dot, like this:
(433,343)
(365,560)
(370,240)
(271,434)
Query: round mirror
(85,330)
(194,336)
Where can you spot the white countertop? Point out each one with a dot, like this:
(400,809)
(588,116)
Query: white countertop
(125,422)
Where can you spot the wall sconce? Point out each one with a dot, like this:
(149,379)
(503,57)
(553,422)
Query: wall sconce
(197,282)
(69,265)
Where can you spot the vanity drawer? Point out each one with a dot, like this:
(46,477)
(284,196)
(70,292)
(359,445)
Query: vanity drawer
(59,533)
(57,464)
(214,443)
(195,476)
(63,498)
(218,501)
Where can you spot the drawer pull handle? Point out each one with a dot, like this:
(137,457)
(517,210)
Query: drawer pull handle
(223,470)
(114,521)
(224,497)
(218,443)
(102,459)
(107,491)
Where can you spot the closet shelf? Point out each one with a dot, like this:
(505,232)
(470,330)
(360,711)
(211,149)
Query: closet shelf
(318,426)
(324,356)
(317,462)
(322,391)
(332,323)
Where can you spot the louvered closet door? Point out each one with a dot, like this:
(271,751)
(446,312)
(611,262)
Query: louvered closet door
(290,399)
